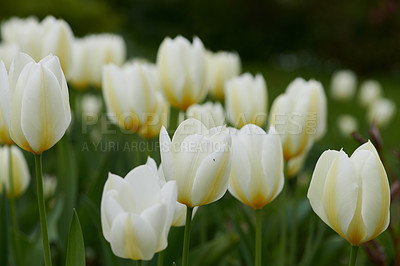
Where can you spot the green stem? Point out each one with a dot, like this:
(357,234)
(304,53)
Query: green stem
(161,258)
(14,222)
(353,255)
(258,238)
(42,209)
(139,263)
(186,241)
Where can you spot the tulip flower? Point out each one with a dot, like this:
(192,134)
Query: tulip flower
(381,112)
(132,101)
(137,212)
(210,114)
(20,172)
(5,137)
(246,100)
(343,85)
(7,52)
(351,194)
(182,68)
(221,66)
(370,90)
(90,53)
(347,124)
(299,116)
(34,101)
(50,36)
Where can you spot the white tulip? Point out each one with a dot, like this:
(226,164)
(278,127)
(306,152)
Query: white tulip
(370,90)
(132,100)
(221,66)
(34,101)
(137,212)
(343,85)
(299,116)
(198,160)
(210,114)
(20,172)
(246,100)
(381,112)
(351,195)
(182,68)
(90,54)
(5,137)
(90,105)
(347,124)
(256,176)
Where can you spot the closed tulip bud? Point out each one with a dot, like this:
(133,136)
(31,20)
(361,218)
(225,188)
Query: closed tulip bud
(182,68)
(221,66)
(199,160)
(7,52)
(299,116)
(347,124)
(132,100)
(90,54)
(210,114)
(34,101)
(180,209)
(137,212)
(370,90)
(381,112)
(256,176)
(20,171)
(343,85)
(351,195)
(246,100)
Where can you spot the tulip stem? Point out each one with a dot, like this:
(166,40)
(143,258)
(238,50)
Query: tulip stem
(353,255)
(161,258)
(258,238)
(14,223)
(139,263)
(42,209)
(186,241)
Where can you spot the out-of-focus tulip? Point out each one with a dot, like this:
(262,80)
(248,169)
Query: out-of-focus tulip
(294,165)
(246,100)
(221,66)
(210,114)
(381,112)
(199,160)
(182,68)
(7,52)
(49,186)
(137,212)
(256,176)
(34,101)
(20,171)
(5,137)
(347,124)
(39,39)
(370,90)
(90,105)
(299,116)
(132,100)
(343,85)
(351,195)
(90,54)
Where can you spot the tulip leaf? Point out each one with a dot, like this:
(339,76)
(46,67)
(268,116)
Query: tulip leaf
(3,229)
(76,246)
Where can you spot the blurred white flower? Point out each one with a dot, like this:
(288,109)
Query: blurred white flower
(347,124)
(210,114)
(49,185)
(343,85)
(370,91)
(381,112)
(91,105)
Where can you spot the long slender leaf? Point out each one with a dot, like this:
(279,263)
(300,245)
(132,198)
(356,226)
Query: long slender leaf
(76,246)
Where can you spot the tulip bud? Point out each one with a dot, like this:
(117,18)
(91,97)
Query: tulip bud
(381,112)
(299,116)
(137,212)
(90,54)
(132,100)
(182,68)
(210,114)
(198,160)
(347,124)
(351,195)
(246,100)
(20,172)
(370,90)
(7,52)
(343,85)
(256,176)
(34,101)
(221,67)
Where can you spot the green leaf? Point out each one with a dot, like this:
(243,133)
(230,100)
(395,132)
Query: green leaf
(76,246)
(3,229)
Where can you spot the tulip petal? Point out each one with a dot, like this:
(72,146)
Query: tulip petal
(186,128)
(155,217)
(166,155)
(18,64)
(5,95)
